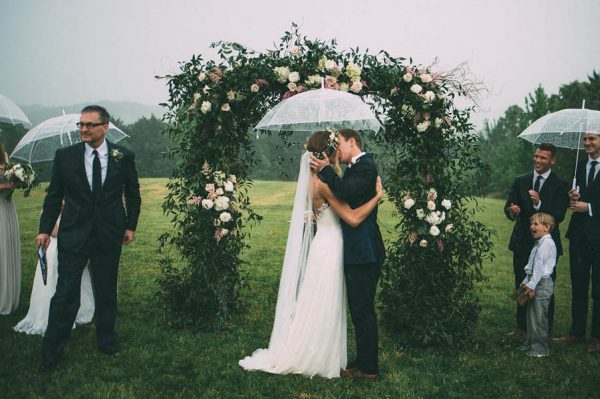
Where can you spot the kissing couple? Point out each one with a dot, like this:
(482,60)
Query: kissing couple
(324,257)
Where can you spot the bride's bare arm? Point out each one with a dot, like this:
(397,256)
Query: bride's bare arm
(353,217)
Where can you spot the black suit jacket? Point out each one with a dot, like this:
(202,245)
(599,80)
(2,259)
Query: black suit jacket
(554,195)
(362,244)
(582,224)
(116,209)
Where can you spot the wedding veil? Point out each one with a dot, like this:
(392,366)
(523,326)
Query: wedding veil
(300,236)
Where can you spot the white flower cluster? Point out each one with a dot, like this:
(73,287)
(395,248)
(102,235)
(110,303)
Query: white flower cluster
(220,200)
(432,214)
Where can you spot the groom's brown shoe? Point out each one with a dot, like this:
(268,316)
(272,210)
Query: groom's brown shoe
(566,339)
(358,375)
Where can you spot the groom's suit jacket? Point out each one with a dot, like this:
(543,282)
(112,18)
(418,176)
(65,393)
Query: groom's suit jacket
(582,224)
(362,244)
(554,195)
(116,209)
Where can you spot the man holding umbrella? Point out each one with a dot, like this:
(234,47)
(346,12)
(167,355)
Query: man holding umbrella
(584,246)
(538,191)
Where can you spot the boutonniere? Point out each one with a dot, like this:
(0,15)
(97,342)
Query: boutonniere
(116,154)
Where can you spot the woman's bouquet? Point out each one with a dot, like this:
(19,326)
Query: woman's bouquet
(22,176)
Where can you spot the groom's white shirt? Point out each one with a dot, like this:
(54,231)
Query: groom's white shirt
(355,159)
(89,160)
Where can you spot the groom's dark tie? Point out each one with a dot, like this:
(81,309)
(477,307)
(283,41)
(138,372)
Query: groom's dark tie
(538,182)
(96,175)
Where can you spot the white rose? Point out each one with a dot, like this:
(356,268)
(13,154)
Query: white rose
(206,106)
(446,204)
(356,86)
(433,219)
(228,186)
(254,88)
(426,78)
(423,126)
(423,243)
(282,73)
(409,203)
(431,205)
(294,77)
(224,232)
(225,107)
(231,95)
(420,213)
(438,122)
(221,203)
(201,76)
(220,191)
(313,80)
(449,228)
(197,96)
(329,65)
(225,217)
(416,88)
(434,231)
(407,77)
(344,86)
(429,96)
(292,86)
(294,50)
(207,204)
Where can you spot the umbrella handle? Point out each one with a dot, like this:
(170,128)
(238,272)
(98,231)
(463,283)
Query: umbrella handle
(574,184)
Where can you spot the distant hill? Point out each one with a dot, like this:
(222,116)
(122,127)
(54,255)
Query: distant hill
(128,112)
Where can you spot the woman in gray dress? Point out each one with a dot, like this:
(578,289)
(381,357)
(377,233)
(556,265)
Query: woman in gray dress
(10,245)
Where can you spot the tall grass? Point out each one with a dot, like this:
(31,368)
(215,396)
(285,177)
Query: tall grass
(157,361)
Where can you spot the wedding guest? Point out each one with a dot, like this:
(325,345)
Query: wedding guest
(540,190)
(584,246)
(36,320)
(10,244)
(539,285)
(95,224)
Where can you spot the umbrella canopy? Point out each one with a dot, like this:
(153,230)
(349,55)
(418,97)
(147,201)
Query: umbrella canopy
(318,110)
(41,142)
(11,113)
(563,128)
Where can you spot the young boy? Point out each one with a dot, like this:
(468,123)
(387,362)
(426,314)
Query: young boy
(539,285)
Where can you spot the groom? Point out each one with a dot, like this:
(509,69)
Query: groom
(98,181)
(363,248)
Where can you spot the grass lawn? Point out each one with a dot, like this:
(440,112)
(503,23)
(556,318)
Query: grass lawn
(157,361)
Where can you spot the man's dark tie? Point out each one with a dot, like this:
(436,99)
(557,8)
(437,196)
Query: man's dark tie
(538,182)
(96,175)
(592,174)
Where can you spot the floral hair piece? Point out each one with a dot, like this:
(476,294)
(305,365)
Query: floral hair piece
(333,141)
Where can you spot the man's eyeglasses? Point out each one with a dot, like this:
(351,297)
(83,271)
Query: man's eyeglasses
(89,125)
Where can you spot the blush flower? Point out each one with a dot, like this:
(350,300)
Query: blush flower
(225,217)
(423,243)
(207,204)
(446,204)
(205,107)
(221,203)
(409,203)
(434,231)
(416,88)
(407,77)
(431,205)
(254,88)
(225,107)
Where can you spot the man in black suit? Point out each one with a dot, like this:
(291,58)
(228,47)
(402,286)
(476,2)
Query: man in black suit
(98,181)
(363,248)
(584,246)
(539,191)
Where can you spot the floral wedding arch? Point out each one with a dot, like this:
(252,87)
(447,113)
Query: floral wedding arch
(428,154)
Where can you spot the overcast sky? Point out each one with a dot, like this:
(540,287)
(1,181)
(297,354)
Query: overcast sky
(61,52)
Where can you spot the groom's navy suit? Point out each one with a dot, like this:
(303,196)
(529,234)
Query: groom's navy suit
(363,255)
(91,228)
(554,201)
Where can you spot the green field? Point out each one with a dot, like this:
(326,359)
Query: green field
(157,361)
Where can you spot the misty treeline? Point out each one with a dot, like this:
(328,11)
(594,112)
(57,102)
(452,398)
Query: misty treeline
(507,156)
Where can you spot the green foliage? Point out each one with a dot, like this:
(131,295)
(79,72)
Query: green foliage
(426,144)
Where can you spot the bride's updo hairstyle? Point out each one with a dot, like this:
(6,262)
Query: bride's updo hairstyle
(324,141)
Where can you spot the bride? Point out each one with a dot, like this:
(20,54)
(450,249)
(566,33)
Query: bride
(309,330)
(36,320)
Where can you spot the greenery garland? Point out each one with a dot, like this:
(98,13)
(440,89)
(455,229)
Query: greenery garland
(428,155)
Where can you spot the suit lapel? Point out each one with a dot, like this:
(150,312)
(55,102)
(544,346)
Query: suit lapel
(81,168)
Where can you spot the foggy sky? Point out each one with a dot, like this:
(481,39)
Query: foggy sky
(65,51)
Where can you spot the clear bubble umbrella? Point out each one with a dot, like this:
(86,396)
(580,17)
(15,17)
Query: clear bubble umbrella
(564,128)
(41,142)
(11,113)
(320,109)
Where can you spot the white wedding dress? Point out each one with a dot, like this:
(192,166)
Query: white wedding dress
(36,320)
(309,331)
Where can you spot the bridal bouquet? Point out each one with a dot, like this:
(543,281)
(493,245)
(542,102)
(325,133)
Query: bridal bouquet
(23,177)
(220,201)
(429,219)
